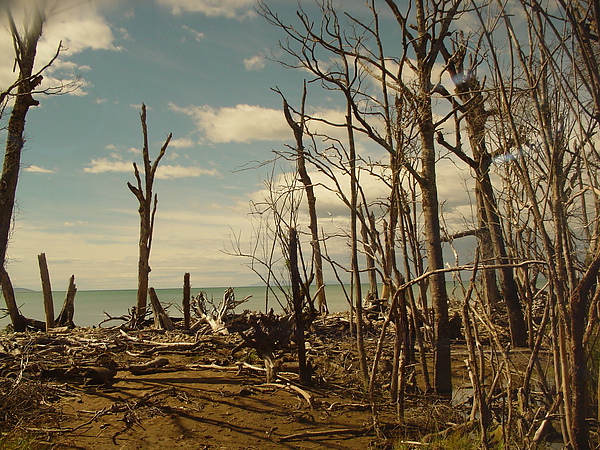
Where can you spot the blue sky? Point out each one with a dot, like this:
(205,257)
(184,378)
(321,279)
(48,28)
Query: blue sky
(202,72)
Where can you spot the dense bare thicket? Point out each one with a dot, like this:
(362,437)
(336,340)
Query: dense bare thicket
(513,100)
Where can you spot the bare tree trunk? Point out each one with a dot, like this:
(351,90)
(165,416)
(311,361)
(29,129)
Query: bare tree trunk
(439,295)
(67,312)
(469,91)
(186,301)
(147,211)
(356,283)
(162,321)
(25,47)
(17,320)
(373,293)
(303,369)
(47,290)
(311,199)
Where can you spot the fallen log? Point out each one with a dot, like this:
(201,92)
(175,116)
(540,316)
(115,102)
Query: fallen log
(148,367)
(304,394)
(320,433)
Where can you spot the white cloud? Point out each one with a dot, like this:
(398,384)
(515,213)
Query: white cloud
(165,172)
(198,36)
(178,171)
(231,9)
(78,25)
(181,143)
(38,169)
(255,63)
(75,223)
(102,165)
(240,123)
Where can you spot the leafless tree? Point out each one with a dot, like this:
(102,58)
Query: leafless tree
(20,93)
(148,201)
(548,104)
(299,129)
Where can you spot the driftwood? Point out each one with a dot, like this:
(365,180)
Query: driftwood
(218,317)
(153,366)
(288,386)
(322,433)
(266,333)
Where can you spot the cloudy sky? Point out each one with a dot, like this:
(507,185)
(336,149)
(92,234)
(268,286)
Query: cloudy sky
(200,67)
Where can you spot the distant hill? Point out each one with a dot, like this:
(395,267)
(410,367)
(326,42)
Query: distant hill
(23,290)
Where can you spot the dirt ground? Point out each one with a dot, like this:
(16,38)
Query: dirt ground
(199,398)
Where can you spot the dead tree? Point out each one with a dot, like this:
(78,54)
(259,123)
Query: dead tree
(147,211)
(65,317)
(186,301)
(299,128)
(25,45)
(303,369)
(47,290)
(162,321)
(470,101)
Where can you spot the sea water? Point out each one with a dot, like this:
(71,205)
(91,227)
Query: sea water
(92,307)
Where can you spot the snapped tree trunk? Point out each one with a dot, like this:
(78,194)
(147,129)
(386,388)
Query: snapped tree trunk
(186,301)
(303,369)
(47,290)
(67,312)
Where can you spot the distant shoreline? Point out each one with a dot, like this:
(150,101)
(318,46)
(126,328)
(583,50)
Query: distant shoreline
(24,290)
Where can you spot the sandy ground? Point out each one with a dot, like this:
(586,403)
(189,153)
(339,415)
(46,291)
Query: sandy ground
(207,409)
(188,403)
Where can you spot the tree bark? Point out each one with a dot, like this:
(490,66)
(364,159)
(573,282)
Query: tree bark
(186,301)
(47,290)
(469,91)
(311,199)
(439,295)
(373,293)
(26,48)
(303,369)
(147,212)
(17,320)
(65,318)
(162,321)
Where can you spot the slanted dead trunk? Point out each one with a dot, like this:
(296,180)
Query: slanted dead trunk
(65,318)
(311,199)
(162,321)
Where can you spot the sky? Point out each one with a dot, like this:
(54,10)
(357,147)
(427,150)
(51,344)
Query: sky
(202,68)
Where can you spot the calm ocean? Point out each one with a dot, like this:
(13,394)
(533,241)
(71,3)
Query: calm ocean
(91,305)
